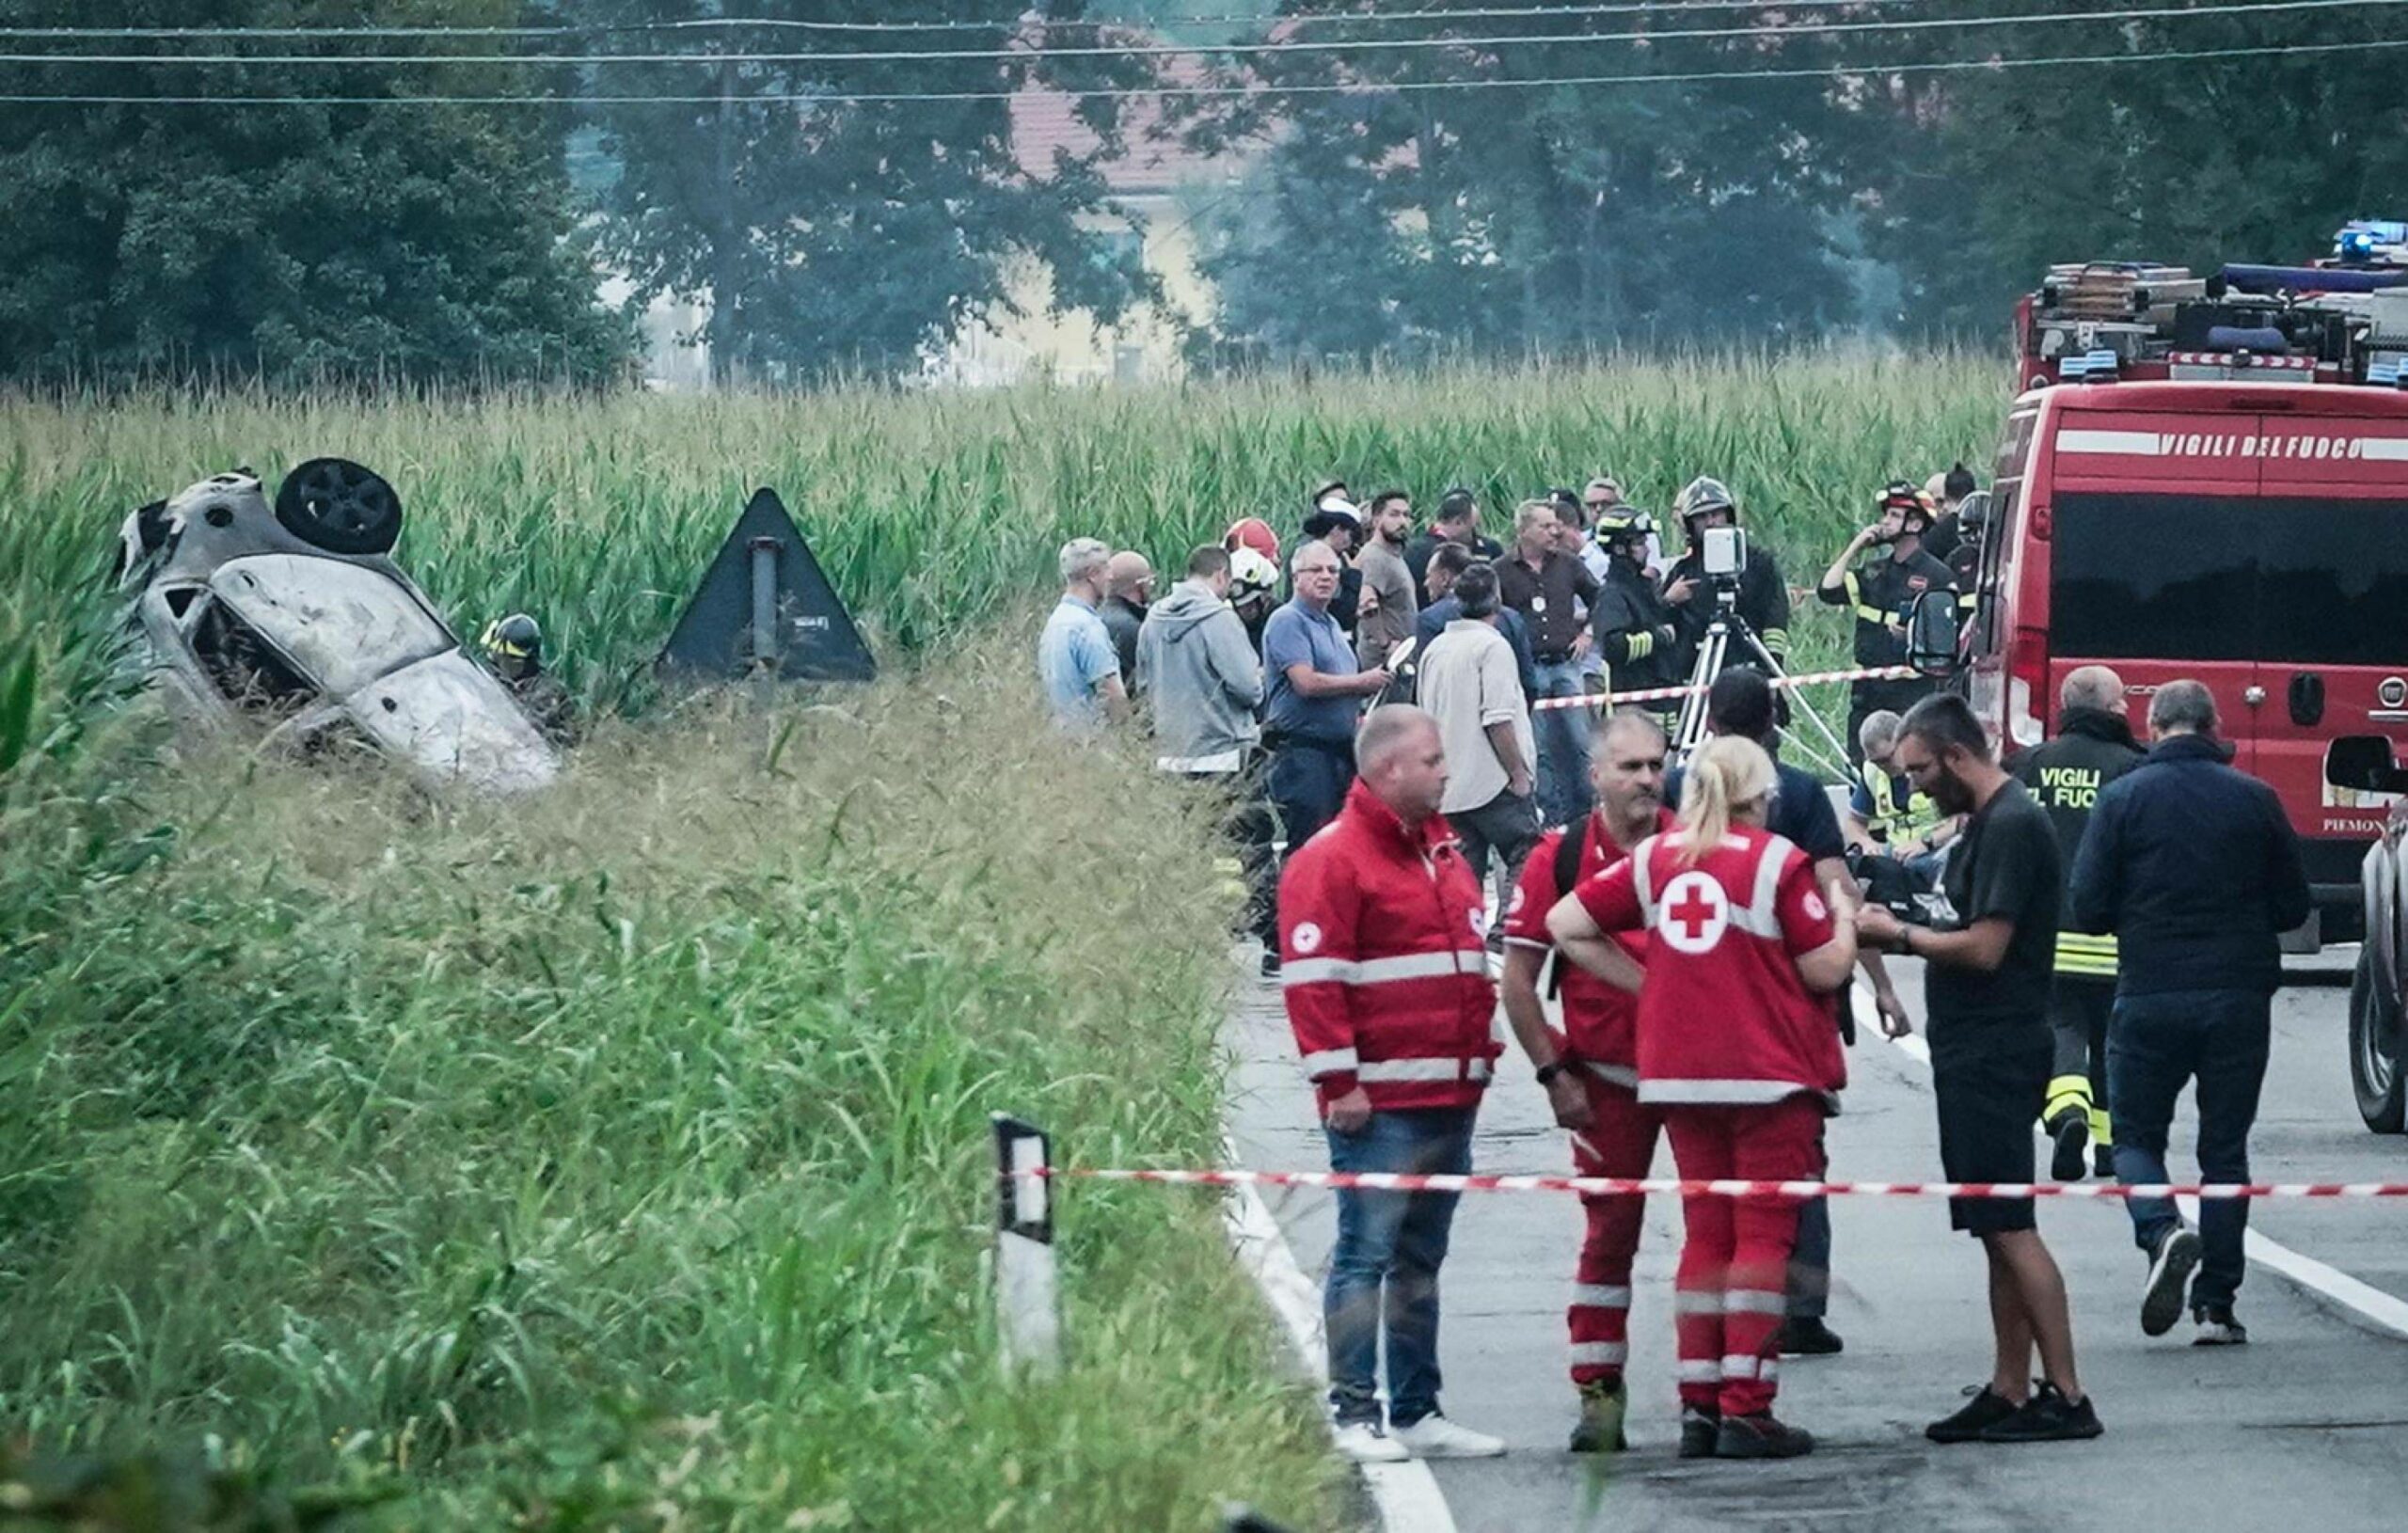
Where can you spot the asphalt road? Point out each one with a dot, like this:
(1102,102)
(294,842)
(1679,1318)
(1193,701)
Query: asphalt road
(2305,1427)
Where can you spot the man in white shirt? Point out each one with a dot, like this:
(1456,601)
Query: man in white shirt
(1470,684)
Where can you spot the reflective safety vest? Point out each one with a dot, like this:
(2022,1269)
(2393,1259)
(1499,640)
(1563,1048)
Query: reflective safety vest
(1888,823)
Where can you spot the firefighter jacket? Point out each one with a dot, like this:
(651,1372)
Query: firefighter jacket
(1882,596)
(1385,966)
(2064,776)
(1635,632)
(1763,601)
(1725,1019)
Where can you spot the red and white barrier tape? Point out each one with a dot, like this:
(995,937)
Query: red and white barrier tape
(1384,1181)
(1665,694)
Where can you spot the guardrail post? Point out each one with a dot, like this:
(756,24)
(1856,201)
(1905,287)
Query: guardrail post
(1028,1305)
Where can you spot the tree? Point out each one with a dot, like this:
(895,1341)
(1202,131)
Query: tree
(1467,211)
(833,234)
(2189,161)
(287,242)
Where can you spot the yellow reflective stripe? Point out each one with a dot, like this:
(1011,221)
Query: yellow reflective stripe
(2102,1129)
(1776,640)
(1641,645)
(2086,954)
(2067,1091)
(1967,601)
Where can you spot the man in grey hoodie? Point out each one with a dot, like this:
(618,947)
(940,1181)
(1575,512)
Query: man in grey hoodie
(1199,672)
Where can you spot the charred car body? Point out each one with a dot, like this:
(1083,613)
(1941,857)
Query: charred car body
(293,620)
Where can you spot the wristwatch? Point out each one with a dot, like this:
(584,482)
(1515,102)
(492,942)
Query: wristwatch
(1547,1072)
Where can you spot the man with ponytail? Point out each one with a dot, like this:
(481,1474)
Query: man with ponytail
(1736,1048)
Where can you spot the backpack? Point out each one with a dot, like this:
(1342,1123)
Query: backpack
(1567,873)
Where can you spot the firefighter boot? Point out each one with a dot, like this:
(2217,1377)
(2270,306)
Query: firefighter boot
(2067,1116)
(1603,1405)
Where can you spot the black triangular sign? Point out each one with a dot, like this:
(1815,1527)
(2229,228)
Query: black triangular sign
(813,636)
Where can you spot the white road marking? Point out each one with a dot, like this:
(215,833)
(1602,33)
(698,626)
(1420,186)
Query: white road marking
(2368,1303)
(1406,1494)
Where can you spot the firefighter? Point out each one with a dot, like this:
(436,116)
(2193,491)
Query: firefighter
(1882,596)
(1590,1067)
(2093,746)
(1759,595)
(1886,816)
(513,648)
(1633,626)
(1736,1048)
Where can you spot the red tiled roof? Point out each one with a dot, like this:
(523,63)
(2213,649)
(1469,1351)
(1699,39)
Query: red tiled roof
(1154,156)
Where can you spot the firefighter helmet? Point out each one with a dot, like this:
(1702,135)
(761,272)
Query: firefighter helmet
(1900,496)
(514,645)
(1624,524)
(1250,575)
(1255,533)
(1703,495)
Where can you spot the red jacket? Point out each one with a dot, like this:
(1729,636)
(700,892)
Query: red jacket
(1724,1018)
(1383,964)
(1600,1022)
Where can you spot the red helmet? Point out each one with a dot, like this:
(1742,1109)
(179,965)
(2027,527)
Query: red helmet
(1255,533)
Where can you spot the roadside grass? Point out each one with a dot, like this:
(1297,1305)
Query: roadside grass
(619,1158)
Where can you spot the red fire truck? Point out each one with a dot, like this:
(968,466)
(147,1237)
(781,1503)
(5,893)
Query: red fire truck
(2209,477)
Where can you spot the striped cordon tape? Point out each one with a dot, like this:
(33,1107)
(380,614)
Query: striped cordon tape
(1385,1181)
(1665,694)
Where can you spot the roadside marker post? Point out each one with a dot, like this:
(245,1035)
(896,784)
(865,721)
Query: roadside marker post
(1028,1290)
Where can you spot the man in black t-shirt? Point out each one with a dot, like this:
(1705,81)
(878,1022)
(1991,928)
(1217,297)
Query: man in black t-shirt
(1986,990)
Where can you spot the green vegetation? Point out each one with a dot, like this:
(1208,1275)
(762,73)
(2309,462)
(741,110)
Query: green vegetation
(617,1160)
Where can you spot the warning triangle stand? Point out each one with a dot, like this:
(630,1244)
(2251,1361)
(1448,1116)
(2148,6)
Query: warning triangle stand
(766,609)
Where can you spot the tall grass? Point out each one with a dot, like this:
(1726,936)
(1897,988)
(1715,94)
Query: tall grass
(618,1160)
(931,510)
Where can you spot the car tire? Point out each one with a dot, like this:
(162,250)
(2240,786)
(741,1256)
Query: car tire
(334,504)
(2375,1075)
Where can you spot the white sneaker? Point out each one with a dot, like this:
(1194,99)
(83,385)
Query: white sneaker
(1435,1437)
(1365,1442)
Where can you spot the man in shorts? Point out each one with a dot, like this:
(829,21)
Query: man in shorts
(1991,1056)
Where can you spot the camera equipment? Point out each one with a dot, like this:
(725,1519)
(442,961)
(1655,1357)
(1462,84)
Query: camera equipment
(1723,550)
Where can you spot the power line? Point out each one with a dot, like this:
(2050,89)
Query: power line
(1348,88)
(726,24)
(1008,56)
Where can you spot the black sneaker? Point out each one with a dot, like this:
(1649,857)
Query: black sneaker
(2072,1135)
(1806,1335)
(1601,1407)
(2048,1417)
(1700,1427)
(1271,966)
(2169,1278)
(1761,1437)
(1985,1410)
(2215,1327)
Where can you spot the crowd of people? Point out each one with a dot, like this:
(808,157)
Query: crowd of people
(2097,922)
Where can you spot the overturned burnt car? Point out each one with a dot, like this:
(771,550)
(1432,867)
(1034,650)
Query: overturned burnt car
(290,621)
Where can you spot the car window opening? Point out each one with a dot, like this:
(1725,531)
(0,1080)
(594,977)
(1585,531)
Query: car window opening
(244,669)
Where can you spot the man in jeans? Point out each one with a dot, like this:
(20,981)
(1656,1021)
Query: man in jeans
(1469,684)
(1552,589)
(2194,868)
(1388,992)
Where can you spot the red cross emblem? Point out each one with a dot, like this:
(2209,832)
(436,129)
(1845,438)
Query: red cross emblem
(1694,914)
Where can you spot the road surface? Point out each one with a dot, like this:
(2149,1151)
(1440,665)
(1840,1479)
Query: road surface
(2305,1428)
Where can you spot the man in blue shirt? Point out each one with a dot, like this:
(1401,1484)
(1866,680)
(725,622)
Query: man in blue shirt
(1313,694)
(1075,659)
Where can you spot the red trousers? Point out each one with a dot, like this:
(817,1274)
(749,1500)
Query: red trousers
(1731,1292)
(1620,1141)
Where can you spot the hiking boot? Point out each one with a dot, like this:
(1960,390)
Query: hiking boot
(2169,1278)
(2215,1327)
(1435,1437)
(1806,1335)
(2048,1417)
(1985,1409)
(1603,1406)
(1700,1427)
(2072,1132)
(1761,1437)
(1367,1442)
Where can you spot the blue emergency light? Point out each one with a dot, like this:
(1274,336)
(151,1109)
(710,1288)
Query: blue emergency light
(2388,374)
(2366,239)
(2091,367)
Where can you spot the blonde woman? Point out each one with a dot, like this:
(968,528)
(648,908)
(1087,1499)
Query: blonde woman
(1737,1048)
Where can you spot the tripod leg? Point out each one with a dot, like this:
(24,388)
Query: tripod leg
(1837,765)
(1691,731)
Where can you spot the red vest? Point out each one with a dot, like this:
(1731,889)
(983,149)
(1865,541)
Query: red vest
(1383,963)
(1600,1022)
(1724,1018)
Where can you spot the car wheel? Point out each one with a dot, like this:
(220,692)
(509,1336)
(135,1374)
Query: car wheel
(334,504)
(2374,1048)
